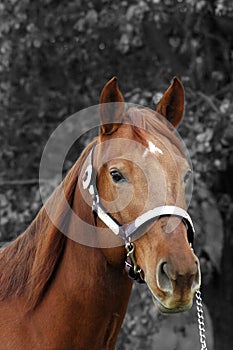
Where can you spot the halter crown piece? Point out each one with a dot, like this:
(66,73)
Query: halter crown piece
(127,231)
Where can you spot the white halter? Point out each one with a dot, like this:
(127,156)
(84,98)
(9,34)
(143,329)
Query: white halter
(127,231)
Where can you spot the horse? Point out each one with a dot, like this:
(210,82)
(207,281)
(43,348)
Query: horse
(57,293)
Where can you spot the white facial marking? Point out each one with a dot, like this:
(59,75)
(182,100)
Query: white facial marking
(153,149)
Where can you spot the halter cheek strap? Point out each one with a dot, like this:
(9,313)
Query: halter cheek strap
(128,231)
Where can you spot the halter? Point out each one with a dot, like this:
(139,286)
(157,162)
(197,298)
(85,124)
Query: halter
(128,232)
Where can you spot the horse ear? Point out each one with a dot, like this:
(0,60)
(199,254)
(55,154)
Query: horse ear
(171,105)
(111,107)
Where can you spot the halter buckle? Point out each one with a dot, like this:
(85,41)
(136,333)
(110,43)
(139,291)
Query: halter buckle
(131,267)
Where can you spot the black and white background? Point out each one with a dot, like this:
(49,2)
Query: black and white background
(55,57)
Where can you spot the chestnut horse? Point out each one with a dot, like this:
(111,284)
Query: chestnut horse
(59,294)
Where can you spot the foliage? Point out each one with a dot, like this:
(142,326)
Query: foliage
(55,56)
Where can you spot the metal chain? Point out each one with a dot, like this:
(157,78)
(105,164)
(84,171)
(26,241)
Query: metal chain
(201,320)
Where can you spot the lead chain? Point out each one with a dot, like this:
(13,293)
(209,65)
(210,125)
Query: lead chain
(201,320)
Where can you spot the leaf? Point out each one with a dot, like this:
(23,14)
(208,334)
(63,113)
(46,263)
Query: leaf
(92,17)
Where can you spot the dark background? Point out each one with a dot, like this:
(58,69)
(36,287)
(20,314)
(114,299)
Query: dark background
(55,57)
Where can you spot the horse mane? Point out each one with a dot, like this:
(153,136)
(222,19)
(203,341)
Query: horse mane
(29,264)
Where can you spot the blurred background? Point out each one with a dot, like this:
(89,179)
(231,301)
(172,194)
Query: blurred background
(55,57)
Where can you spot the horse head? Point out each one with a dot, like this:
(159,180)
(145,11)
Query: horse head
(140,166)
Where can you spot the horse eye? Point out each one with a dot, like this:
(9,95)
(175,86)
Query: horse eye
(187,176)
(117,176)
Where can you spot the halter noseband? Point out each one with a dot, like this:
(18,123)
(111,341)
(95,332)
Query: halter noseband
(127,231)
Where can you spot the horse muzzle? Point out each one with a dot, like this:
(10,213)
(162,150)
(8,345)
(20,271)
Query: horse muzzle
(174,290)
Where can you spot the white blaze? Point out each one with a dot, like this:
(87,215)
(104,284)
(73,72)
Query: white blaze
(154,149)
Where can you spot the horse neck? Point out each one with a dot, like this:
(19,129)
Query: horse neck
(84,305)
(91,272)
(89,291)
(89,267)
(90,275)
(90,283)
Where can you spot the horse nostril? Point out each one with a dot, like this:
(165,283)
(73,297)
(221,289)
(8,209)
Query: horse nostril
(163,279)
